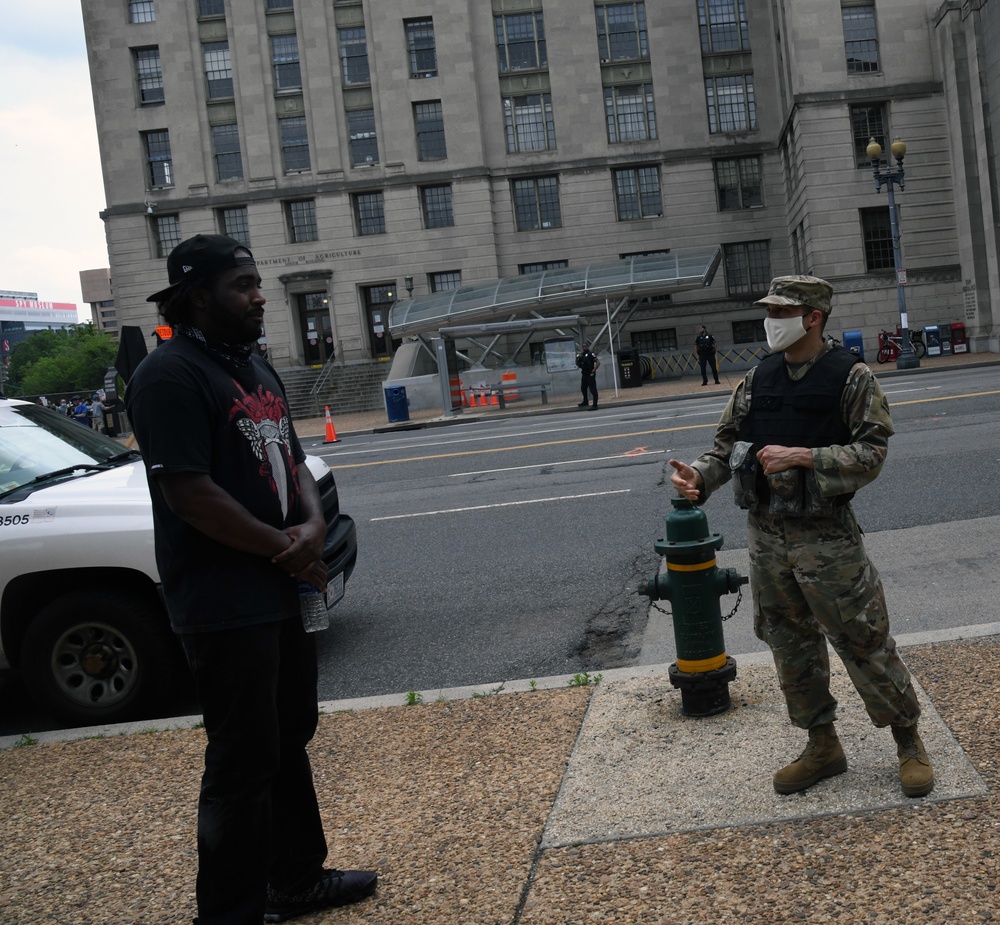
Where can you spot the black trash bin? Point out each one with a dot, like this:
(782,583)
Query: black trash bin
(396,406)
(629,368)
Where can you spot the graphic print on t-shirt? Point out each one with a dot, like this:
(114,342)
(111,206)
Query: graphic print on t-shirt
(266,426)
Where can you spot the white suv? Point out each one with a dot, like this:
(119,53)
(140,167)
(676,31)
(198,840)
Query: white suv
(81,613)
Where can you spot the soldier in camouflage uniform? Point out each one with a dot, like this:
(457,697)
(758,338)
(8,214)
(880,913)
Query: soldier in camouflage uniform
(804,430)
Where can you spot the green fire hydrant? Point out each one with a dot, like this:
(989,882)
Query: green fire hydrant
(693,584)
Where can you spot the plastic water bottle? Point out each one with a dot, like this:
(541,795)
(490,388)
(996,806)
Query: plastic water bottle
(312,603)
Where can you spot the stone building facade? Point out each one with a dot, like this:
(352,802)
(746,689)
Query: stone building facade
(358,146)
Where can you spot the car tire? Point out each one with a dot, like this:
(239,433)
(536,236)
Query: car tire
(95,657)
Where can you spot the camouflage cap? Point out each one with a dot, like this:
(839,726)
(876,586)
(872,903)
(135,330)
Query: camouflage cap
(808,291)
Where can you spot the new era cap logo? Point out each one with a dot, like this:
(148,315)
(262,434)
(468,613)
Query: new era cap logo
(186,269)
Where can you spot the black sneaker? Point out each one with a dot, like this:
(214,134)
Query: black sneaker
(584,404)
(334,888)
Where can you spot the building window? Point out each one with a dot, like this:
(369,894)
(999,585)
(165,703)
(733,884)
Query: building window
(278,5)
(285,59)
(369,213)
(226,151)
(748,268)
(436,204)
(749,332)
(655,341)
(528,123)
(362,137)
(218,70)
(429,123)
(723,26)
(159,163)
(166,234)
(630,113)
(420,47)
(860,38)
(294,143)
(536,203)
(354,56)
(876,231)
(621,32)
(442,282)
(738,183)
(520,42)
(141,11)
(867,122)
(235,223)
(211,8)
(637,193)
(149,75)
(732,106)
(525,268)
(300,215)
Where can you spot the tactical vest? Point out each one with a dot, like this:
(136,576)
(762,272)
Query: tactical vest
(789,412)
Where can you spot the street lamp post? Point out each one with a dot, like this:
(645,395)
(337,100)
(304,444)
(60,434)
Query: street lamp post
(907,359)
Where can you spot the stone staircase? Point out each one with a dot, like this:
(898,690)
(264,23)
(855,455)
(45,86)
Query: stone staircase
(355,385)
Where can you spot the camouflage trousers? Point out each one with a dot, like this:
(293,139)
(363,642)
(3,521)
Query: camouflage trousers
(812,581)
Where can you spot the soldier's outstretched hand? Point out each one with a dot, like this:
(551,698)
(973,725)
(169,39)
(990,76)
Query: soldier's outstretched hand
(686,480)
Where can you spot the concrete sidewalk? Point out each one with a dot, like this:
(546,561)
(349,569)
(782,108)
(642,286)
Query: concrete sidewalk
(366,422)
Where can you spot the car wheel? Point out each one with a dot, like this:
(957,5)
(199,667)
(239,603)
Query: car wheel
(97,657)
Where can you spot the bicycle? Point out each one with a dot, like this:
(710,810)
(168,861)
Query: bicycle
(891,345)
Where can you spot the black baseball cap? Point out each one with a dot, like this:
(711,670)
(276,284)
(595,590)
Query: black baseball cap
(201,257)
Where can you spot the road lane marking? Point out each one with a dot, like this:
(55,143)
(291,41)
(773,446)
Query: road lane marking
(369,447)
(638,433)
(487,507)
(522,446)
(561,462)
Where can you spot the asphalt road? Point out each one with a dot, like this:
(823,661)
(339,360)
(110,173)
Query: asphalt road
(512,548)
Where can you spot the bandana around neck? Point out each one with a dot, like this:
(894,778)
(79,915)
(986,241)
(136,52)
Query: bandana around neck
(236,354)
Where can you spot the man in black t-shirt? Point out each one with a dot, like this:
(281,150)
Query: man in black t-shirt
(237,522)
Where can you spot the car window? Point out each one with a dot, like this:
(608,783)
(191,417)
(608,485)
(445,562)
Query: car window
(35,441)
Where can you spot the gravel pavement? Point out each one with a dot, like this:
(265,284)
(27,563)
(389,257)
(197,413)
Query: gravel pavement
(597,804)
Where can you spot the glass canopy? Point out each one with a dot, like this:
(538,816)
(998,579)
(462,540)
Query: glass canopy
(561,289)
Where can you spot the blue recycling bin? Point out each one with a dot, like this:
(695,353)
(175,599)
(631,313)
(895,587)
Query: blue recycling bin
(396,406)
(854,343)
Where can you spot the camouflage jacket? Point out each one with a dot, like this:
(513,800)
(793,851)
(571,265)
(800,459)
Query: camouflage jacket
(838,469)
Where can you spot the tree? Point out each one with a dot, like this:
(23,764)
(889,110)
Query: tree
(73,360)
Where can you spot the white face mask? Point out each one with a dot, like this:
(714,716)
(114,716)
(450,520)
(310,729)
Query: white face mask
(783,332)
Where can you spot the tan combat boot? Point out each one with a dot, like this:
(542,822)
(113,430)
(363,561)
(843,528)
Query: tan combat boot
(823,757)
(915,772)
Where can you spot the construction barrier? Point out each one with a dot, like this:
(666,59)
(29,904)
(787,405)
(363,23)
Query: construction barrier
(509,383)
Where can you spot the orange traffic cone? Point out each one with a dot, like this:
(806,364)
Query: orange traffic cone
(331,433)
(493,399)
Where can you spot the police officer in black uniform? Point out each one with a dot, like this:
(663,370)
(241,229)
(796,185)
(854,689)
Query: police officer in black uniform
(705,345)
(589,364)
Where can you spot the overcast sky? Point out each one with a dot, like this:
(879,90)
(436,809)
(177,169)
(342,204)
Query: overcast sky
(53,191)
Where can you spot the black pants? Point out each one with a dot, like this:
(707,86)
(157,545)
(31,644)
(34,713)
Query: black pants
(258,819)
(708,363)
(589,383)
